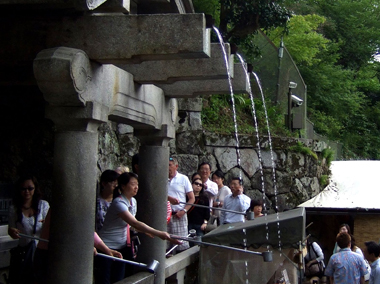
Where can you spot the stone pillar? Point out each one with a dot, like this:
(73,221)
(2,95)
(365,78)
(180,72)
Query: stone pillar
(152,197)
(72,209)
(62,75)
(153,179)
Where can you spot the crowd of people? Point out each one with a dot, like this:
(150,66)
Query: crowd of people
(192,203)
(348,264)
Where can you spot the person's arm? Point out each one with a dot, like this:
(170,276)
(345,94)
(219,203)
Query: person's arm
(191,197)
(225,191)
(142,227)
(245,203)
(206,216)
(318,251)
(173,200)
(45,232)
(100,245)
(362,281)
(223,213)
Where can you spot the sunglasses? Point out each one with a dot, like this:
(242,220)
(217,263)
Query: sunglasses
(27,188)
(197,183)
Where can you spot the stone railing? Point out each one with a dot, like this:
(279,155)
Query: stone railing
(175,269)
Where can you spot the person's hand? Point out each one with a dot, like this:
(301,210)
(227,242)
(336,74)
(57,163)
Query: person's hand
(203,227)
(14,233)
(165,236)
(95,251)
(173,200)
(114,253)
(180,214)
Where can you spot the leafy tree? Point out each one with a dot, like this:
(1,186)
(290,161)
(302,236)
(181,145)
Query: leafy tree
(238,19)
(342,78)
(302,38)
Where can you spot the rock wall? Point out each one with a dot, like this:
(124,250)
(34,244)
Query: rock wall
(297,176)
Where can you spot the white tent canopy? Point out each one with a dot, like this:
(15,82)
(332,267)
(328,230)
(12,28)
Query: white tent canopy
(353,185)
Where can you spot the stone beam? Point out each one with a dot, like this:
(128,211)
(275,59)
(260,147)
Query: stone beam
(122,6)
(191,89)
(117,39)
(170,71)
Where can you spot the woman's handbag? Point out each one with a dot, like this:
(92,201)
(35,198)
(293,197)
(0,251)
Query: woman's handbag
(316,269)
(21,264)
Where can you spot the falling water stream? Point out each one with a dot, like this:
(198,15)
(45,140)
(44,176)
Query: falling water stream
(272,160)
(232,99)
(258,144)
(221,41)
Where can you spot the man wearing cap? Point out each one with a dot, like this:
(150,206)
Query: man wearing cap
(179,187)
(236,201)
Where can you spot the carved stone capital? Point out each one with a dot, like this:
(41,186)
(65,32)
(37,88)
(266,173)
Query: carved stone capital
(63,75)
(86,119)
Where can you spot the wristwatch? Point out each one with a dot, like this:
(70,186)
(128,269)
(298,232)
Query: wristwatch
(205,222)
(185,210)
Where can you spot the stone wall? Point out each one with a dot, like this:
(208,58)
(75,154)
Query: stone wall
(297,175)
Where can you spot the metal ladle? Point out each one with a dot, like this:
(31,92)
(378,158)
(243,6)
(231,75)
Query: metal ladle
(267,255)
(192,233)
(151,267)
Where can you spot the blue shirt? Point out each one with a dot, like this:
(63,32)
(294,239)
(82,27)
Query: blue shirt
(238,203)
(114,231)
(375,272)
(346,267)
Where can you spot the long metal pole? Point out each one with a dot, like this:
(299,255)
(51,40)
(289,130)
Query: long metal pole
(215,208)
(267,255)
(213,245)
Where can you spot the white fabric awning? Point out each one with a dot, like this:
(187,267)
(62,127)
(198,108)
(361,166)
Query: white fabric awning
(353,185)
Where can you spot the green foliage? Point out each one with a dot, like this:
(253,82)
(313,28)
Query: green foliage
(342,79)
(302,29)
(238,19)
(328,155)
(217,116)
(324,181)
(301,148)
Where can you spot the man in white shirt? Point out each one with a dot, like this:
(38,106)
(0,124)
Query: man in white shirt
(179,187)
(210,187)
(237,201)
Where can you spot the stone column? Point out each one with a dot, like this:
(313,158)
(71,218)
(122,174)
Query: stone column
(62,75)
(72,209)
(153,176)
(153,179)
